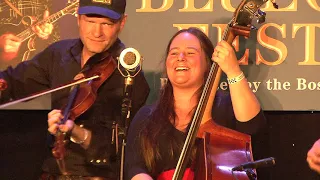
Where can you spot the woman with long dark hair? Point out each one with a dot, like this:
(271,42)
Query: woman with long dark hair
(157,132)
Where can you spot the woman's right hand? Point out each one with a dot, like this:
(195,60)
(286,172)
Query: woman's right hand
(225,56)
(54,119)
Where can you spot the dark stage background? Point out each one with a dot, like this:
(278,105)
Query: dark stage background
(287,137)
(288,134)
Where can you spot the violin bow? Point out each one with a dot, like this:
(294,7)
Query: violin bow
(48,91)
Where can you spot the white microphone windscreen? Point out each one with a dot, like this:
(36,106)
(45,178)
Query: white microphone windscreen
(129,58)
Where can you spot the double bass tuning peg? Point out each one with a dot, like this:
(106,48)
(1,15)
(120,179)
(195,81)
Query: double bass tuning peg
(275,5)
(261,15)
(254,28)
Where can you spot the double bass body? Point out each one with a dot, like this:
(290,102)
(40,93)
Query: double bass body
(219,150)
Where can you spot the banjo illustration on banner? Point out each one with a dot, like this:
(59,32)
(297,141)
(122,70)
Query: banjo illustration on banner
(27,36)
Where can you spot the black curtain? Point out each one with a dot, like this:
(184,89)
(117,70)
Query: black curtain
(287,137)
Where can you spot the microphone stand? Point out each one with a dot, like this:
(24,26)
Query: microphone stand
(130,60)
(125,115)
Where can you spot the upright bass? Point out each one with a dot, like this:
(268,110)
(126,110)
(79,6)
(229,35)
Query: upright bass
(221,148)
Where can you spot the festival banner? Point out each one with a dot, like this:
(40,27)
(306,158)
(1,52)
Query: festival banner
(280,59)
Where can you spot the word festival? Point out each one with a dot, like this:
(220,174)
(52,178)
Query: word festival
(280,46)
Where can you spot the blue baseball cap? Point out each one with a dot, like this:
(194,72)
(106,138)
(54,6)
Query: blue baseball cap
(112,9)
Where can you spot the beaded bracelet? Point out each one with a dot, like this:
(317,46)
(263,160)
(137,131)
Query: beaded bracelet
(236,79)
(81,141)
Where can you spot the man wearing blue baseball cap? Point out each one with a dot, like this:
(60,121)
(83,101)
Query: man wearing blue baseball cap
(97,18)
(111,9)
(90,146)
(100,22)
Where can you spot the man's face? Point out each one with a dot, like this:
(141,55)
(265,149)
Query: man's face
(98,33)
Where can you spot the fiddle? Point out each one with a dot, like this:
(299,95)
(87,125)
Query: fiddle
(80,100)
(220,148)
(59,150)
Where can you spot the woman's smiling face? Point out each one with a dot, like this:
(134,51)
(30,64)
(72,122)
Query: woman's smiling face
(186,62)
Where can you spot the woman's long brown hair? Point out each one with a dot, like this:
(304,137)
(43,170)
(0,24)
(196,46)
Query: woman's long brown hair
(160,119)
